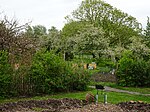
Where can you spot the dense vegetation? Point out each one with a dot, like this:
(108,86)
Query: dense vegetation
(35,60)
(133,72)
(5,74)
(49,73)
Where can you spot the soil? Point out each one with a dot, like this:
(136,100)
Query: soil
(133,106)
(50,105)
(72,105)
(103,77)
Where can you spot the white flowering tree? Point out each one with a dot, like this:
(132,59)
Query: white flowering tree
(91,40)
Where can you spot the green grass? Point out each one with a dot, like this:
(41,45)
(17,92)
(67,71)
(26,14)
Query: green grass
(104,69)
(78,95)
(113,97)
(91,72)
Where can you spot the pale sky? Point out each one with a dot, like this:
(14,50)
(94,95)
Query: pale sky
(52,12)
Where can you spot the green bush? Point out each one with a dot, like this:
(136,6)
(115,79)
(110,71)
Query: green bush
(5,75)
(132,71)
(50,73)
(79,79)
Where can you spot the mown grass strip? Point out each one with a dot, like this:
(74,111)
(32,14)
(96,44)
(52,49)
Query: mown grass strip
(113,97)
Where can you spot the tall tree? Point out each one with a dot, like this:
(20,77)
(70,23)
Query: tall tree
(72,28)
(69,32)
(147,32)
(53,39)
(38,33)
(118,26)
(139,48)
(91,40)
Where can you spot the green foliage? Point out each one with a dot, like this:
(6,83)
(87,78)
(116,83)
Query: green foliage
(147,32)
(36,31)
(5,75)
(72,28)
(53,41)
(132,71)
(49,73)
(87,40)
(97,28)
(91,40)
(139,48)
(46,72)
(118,26)
(68,39)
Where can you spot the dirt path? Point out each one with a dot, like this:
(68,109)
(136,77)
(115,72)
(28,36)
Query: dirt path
(121,91)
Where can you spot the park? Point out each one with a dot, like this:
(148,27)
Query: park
(99,61)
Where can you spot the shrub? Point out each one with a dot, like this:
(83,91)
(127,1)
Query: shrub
(49,73)
(132,71)
(5,75)
(79,79)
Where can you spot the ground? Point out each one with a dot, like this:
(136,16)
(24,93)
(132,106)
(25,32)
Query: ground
(72,105)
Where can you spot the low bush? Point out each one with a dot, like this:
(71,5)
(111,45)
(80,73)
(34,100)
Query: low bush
(5,75)
(49,73)
(132,71)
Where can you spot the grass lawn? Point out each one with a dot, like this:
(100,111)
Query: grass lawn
(113,97)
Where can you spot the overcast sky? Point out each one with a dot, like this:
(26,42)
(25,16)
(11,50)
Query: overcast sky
(52,12)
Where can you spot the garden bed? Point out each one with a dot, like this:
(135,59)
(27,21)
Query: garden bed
(72,105)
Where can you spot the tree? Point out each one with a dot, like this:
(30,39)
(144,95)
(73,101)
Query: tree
(97,11)
(69,32)
(38,33)
(83,38)
(118,26)
(14,41)
(53,39)
(91,40)
(72,28)
(9,32)
(139,48)
(147,32)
